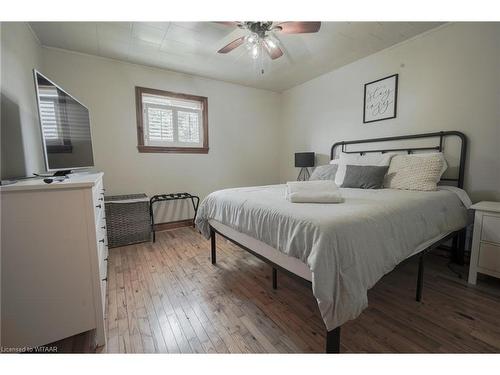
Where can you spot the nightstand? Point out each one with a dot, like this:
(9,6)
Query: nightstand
(485,256)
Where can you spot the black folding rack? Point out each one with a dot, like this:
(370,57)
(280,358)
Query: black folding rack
(171,197)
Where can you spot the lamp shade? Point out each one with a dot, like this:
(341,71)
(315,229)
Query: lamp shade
(304,159)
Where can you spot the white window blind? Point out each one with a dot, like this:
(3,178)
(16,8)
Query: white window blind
(48,114)
(61,117)
(172,122)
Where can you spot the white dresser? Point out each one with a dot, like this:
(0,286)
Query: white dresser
(485,256)
(54,260)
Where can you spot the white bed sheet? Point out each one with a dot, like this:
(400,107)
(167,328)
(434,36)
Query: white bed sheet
(291,264)
(347,247)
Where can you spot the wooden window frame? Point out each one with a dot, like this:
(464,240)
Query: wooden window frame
(165,149)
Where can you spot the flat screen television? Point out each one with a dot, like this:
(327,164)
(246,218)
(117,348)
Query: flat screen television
(65,128)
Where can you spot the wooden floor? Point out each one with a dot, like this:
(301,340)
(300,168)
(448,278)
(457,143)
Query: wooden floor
(168,298)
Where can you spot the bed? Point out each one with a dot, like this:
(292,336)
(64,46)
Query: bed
(320,243)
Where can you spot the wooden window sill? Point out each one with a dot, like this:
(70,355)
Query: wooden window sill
(173,150)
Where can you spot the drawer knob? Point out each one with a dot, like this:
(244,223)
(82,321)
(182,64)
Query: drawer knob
(103,227)
(105,279)
(98,206)
(106,259)
(102,240)
(101,199)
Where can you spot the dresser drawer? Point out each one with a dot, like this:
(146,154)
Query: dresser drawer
(98,190)
(104,284)
(489,257)
(101,228)
(102,236)
(101,241)
(99,210)
(102,256)
(98,200)
(491,229)
(101,252)
(103,268)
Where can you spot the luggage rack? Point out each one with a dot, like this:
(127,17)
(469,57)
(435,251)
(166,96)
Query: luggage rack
(195,200)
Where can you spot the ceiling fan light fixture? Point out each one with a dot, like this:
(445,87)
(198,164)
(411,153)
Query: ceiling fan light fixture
(255,51)
(252,38)
(262,37)
(271,42)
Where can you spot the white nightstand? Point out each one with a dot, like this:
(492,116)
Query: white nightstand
(485,256)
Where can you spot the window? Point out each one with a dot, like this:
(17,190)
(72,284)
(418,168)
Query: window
(171,122)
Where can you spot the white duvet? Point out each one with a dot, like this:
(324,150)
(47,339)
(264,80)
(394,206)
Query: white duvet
(348,246)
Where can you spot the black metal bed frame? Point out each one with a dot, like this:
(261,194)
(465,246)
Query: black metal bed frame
(440,147)
(457,237)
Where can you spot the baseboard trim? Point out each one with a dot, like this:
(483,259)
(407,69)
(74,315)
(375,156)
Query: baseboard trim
(173,225)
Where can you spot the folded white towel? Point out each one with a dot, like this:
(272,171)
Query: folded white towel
(323,191)
(311,186)
(315,197)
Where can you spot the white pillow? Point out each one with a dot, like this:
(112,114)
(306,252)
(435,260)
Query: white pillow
(378,160)
(415,172)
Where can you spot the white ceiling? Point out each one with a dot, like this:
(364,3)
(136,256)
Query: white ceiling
(190,47)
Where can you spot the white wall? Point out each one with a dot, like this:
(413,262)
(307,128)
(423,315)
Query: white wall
(243,127)
(449,79)
(21,140)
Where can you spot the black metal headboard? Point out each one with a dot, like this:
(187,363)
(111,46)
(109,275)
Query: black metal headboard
(441,135)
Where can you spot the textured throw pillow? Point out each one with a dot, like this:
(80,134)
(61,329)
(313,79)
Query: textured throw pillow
(438,154)
(324,172)
(364,176)
(410,172)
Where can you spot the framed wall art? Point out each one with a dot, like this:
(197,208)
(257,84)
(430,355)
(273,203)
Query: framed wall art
(380,99)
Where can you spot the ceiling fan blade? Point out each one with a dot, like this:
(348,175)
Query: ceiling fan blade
(229,23)
(297,27)
(234,44)
(274,52)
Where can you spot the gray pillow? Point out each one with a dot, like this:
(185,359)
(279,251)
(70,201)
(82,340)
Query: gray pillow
(324,172)
(364,176)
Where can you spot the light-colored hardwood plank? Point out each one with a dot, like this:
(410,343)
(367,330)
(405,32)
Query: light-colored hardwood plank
(167,297)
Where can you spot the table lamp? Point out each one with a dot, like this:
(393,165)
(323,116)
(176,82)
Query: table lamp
(304,160)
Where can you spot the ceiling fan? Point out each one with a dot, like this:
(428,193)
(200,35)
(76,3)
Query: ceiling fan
(261,36)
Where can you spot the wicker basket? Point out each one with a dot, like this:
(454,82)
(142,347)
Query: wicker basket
(127,219)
